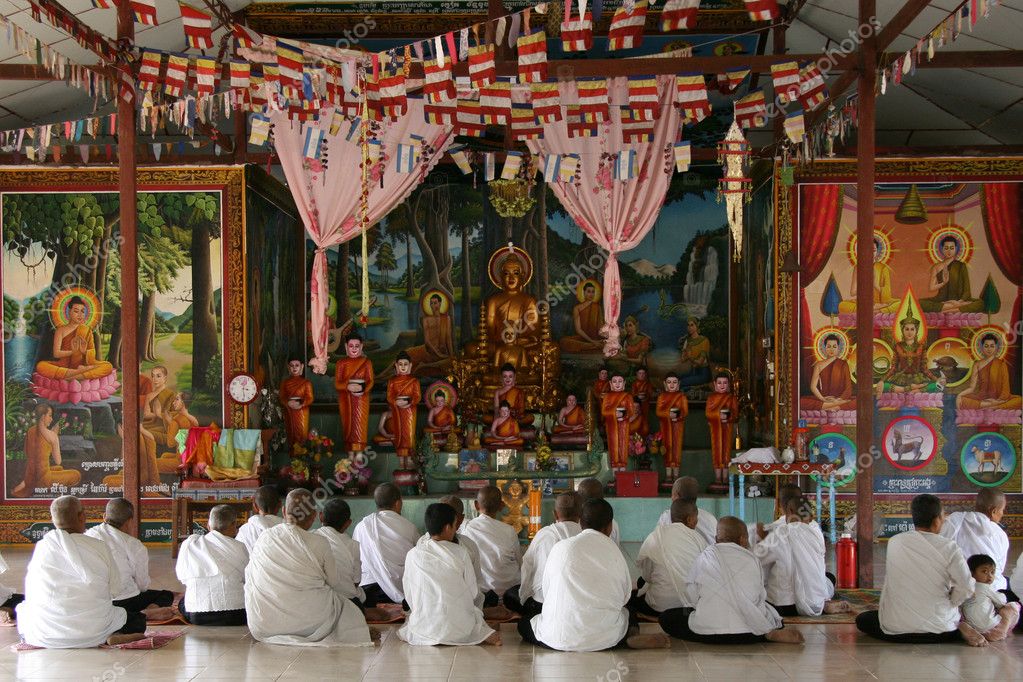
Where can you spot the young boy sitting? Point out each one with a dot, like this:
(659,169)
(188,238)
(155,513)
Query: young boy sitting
(440,587)
(987,611)
(335,517)
(978,532)
(266,504)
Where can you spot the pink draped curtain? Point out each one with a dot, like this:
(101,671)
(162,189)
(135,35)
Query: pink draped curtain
(615,214)
(328,197)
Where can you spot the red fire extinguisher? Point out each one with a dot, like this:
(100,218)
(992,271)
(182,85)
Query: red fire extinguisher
(845,561)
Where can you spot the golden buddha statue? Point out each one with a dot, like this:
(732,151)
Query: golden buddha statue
(75,373)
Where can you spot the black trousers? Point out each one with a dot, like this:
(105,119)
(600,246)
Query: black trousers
(136,623)
(375,595)
(213,618)
(513,602)
(143,599)
(639,604)
(869,623)
(675,622)
(13,601)
(786,611)
(525,628)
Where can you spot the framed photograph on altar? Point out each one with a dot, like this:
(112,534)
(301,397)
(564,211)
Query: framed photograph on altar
(562,463)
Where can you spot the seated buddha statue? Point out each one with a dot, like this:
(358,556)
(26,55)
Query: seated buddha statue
(504,432)
(440,420)
(989,384)
(570,428)
(511,316)
(74,349)
(511,394)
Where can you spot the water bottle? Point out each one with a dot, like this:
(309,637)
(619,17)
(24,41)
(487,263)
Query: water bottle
(845,562)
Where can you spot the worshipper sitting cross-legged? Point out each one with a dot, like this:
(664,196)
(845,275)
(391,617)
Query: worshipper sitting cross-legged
(586,587)
(688,488)
(760,530)
(212,569)
(978,532)
(335,518)
(726,588)
(665,558)
(792,557)
(132,559)
(500,553)
(592,489)
(527,600)
(926,581)
(292,593)
(441,590)
(10,598)
(384,538)
(987,611)
(69,588)
(266,504)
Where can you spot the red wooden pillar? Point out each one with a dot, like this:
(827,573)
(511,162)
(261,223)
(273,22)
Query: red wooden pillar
(126,182)
(866,83)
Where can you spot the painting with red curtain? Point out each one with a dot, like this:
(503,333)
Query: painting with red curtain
(946,375)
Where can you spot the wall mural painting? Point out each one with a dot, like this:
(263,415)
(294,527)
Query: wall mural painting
(62,336)
(946,362)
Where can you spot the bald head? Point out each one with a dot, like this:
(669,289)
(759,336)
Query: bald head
(456,503)
(118,512)
(387,496)
(989,501)
(684,511)
(267,500)
(732,529)
(67,514)
(590,489)
(787,492)
(568,506)
(300,508)
(223,518)
(685,488)
(488,500)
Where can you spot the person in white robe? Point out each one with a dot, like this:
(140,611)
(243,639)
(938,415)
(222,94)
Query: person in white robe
(586,587)
(987,611)
(211,566)
(978,532)
(335,518)
(266,507)
(688,488)
(726,587)
(665,558)
(500,552)
(592,489)
(292,593)
(792,557)
(384,538)
(9,599)
(132,559)
(69,588)
(926,581)
(440,584)
(759,530)
(529,600)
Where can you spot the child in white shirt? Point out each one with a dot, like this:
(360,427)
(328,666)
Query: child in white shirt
(987,611)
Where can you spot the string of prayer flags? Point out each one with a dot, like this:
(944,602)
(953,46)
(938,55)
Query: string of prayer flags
(407,157)
(786,81)
(489,166)
(732,79)
(245,37)
(524,125)
(635,129)
(512,164)
(438,86)
(552,168)
(375,149)
(691,97)
(393,97)
(533,57)
(103,4)
(177,71)
(593,99)
(259,130)
(461,158)
(546,101)
(198,27)
(679,15)
(568,167)
(577,34)
(495,102)
(762,10)
(144,11)
(149,69)
(205,75)
(626,31)
(751,110)
(625,165)
(579,124)
(482,67)
(468,120)
(795,126)
(440,114)
(240,74)
(290,63)
(643,96)
(683,155)
(353,129)
(812,90)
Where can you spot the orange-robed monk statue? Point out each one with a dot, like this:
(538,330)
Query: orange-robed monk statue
(672,408)
(353,381)
(614,409)
(296,395)
(722,412)
(403,394)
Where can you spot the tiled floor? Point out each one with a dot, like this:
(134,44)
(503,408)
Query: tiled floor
(830,653)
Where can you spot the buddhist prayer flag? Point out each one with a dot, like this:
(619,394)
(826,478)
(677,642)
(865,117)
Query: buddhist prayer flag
(469,120)
(290,63)
(551,167)
(762,10)
(731,79)
(489,166)
(635,129)
(812,90)
(593,99)
(198,27)
(205,75)
(393,97)
(461,159)
(482,68)
(625,165)
(786,81)
(259,130)
(643,96)
(795,126)
(569,165)
(407,157)
(245,37)
(240,72)
(579,124)
(103,4)
(440,114)
(177,71)
(679,14)
(577,34)
(512,164)
(532,57)
(524,125)
(353,129)
(691,97)
(144,11)
(546,101)
(751,110)
(374,148)
(438,86)
(495,102)
(149,69)
(626,30)
(683,155)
